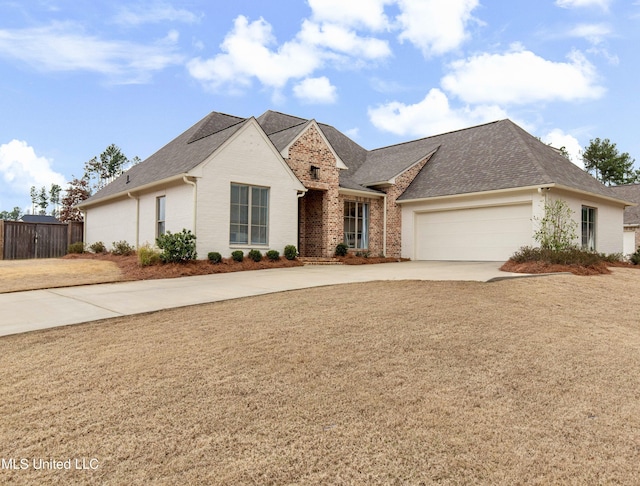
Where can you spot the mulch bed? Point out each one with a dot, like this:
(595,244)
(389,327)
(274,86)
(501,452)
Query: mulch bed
(132,270)
(543,267)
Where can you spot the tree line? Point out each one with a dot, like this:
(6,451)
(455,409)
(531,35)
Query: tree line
(97,173)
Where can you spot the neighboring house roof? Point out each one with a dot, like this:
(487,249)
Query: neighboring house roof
(494,156)
(630,192)
(39,218)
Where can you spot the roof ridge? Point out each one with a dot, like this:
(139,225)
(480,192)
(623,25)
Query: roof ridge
(207,118)
(289,128)
(439,135)
(518,133)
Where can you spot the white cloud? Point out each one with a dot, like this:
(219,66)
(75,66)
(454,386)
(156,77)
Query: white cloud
(21,168)
(594,33)
(250,51)
(558,139)
(315,90)
(135,15)
(64,47)
(367,14)
(434,26)
(522,77)
(246,54)
(431,116)
(339,39)
(603,4)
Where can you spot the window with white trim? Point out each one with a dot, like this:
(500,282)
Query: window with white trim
(160,215)
(588,228)
(249,215)
(356,225)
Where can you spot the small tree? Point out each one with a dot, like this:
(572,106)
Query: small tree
(557,229)
(77,191)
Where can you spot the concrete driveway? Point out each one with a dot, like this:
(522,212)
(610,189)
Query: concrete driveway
(41,309)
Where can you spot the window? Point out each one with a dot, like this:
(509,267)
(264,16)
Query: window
(356,224)
(160,215)
(249,215)
(588,228)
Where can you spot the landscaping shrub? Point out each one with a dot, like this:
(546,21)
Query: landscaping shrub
(122,248)
(569,256)
(273,255)
(77,247)
(341,250)
(255,255)
(635,257)
(177,247)
(98,247)
(290,252)
(237,255)
(147,255)
(557,229)
(214,257)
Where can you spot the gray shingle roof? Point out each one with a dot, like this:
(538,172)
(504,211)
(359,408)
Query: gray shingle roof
(177,157)
(631,193)
(498,155)
(494,156)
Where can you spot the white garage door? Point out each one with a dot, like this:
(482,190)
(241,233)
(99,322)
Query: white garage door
(478,234)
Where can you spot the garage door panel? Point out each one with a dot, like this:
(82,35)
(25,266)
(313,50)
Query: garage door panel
(484,234)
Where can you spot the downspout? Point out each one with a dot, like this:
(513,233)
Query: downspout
(137,199)
(384,227)
(195,201)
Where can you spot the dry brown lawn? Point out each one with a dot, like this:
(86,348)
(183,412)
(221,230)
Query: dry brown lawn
(527,381)
(16,275)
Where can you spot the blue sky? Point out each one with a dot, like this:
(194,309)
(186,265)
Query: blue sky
(78,75)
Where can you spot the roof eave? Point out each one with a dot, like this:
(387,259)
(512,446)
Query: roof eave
(144,187)
(355,192)
(477,193)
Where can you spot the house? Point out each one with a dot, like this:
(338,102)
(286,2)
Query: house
(275,180)
(39,218)
(630,192)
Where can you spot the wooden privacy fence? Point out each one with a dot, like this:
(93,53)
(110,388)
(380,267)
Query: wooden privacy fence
(19,240)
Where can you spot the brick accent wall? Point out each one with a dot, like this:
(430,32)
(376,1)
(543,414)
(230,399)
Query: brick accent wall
(394,211)
(320,210)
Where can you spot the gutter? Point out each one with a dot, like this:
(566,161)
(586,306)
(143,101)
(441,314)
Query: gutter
(85,204)
(195,201)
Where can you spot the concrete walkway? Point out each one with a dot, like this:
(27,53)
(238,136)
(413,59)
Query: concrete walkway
(41,309)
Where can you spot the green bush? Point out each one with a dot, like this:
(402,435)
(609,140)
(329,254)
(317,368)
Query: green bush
(177,247)
(290,252)
(147,255)
(255,255)
(237,255)
(214,257)
(77,247)
(341,250)
(98,247)
(635,257)
(273,255)
(122,248)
